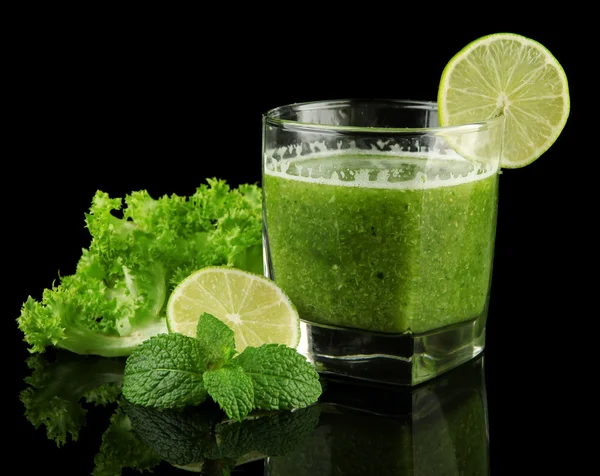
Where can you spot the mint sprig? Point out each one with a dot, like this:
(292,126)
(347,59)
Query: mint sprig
(171,371)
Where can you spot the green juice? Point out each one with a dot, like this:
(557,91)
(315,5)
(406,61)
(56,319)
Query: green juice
(382,243)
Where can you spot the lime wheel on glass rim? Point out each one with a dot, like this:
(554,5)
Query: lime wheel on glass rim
(509,74)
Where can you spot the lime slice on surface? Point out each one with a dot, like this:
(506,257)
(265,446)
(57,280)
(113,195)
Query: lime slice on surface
(253,306)
(513,74)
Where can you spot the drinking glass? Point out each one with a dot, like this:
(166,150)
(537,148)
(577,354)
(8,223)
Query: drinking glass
(379,225)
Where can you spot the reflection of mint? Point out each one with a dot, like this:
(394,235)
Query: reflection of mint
(193,435)
(179,436)
(56,390)
(175,371)
(271,435)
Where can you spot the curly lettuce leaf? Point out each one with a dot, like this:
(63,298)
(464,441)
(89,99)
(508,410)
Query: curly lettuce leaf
(140,249)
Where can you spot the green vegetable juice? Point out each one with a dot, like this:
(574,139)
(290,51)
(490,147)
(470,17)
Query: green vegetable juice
(383,243)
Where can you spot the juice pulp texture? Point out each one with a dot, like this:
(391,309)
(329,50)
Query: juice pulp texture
(382,243)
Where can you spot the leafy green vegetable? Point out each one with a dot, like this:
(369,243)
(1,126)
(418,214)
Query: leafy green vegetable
(217,340)
(166,372)
(174,370)
(116,298)
(121,448)
(56,389)
(281,376)
(232,389)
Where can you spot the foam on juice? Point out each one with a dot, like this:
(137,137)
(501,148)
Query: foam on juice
(392,169)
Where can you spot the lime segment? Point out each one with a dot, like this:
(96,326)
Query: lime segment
(513,75)
(253,306)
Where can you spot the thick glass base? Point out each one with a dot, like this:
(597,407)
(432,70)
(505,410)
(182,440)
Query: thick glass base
(401,359)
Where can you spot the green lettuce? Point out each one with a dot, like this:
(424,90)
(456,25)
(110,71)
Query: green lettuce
(140,249)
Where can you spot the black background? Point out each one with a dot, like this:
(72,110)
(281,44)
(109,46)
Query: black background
(161,107)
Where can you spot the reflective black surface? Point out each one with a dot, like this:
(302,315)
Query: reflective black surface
(437,428)
(70,413)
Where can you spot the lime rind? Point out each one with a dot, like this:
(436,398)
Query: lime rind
(513,75)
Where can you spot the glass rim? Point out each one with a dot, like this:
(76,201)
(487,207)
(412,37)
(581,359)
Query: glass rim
(269,117)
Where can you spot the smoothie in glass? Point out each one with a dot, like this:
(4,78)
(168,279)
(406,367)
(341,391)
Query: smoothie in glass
(379,224)
(382,242)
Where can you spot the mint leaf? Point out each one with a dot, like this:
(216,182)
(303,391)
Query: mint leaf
(165,371)
(216,339)
(271,435)
(232,389)
(282,377)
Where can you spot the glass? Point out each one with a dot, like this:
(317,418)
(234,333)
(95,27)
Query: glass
(380,227)
(439,428)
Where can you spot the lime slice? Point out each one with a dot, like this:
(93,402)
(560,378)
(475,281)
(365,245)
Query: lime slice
(517,76)
(253,306)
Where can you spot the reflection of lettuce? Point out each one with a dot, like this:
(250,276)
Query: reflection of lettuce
(122,448)
(197,435)
(55,397)
(56,390)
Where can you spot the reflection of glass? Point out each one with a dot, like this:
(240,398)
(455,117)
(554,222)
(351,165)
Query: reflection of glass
(437,429)
(380,227)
